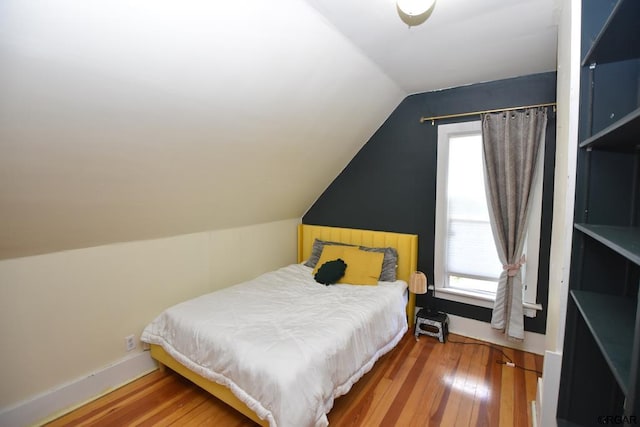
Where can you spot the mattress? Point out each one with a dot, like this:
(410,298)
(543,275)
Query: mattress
(284,344)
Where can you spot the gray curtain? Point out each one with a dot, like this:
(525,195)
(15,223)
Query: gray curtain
(511,142)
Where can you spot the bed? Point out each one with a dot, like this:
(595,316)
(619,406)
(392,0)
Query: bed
(280,348)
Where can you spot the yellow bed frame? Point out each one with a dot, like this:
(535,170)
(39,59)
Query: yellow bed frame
(405,244)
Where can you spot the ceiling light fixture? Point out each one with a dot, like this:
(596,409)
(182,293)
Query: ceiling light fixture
(415,12)
(415,8)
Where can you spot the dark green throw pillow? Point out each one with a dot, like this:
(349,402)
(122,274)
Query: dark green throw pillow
(330,272)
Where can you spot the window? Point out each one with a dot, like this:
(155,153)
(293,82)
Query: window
(467,266)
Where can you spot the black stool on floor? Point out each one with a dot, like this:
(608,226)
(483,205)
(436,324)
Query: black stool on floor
(433,324)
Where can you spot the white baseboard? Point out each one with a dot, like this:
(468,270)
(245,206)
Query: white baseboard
(533,342)
(56,402)
(538,402)
(548,388)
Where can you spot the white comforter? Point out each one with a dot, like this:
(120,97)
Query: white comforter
(284,344)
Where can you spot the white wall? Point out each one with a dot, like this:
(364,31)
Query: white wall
(64,315)
(563,204)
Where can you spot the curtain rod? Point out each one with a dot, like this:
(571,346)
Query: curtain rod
(475,113)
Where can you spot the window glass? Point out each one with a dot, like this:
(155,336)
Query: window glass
(472,259)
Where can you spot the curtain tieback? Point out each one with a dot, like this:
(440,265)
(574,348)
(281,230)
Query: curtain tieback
(512,269)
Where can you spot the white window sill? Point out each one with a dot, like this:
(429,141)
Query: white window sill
(480,300)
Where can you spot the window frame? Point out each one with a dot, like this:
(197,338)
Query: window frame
(532,244)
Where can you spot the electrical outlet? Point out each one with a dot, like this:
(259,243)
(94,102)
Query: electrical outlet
(130,342)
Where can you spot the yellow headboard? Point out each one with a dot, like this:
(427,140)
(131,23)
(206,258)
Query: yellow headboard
(405,244)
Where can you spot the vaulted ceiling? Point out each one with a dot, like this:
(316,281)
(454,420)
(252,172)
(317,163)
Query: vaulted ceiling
(124,120)
(461,42)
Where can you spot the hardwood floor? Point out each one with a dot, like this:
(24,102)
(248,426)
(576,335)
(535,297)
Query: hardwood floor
(422,383)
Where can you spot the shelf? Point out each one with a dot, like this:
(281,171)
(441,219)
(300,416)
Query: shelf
(623,240)
(564,423)
(600,364)
(622,134)
(619,39)
(611,320)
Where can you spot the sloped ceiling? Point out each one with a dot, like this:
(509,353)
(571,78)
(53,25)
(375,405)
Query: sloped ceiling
(124,120)
(462,41)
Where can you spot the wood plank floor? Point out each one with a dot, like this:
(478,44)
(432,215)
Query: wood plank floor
(422,383)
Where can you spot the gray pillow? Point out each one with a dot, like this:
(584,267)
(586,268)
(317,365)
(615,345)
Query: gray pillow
(389,262)
(316,251)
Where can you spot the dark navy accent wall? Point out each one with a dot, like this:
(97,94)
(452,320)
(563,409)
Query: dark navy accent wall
(390,184)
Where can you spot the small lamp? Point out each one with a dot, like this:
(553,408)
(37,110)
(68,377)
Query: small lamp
(417,285)
(418,282)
